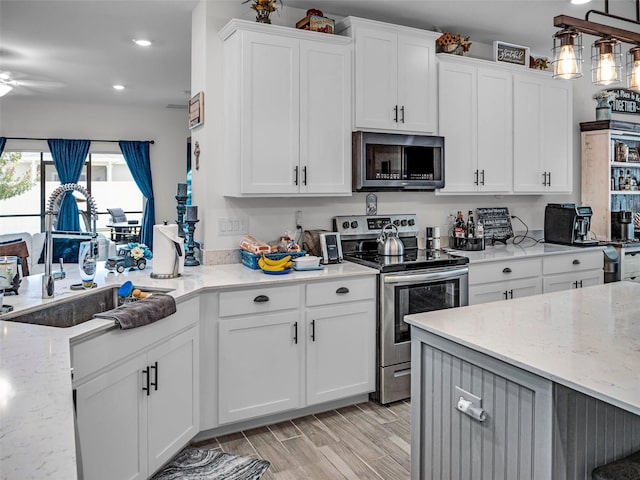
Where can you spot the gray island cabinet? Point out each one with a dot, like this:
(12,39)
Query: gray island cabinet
(542,387)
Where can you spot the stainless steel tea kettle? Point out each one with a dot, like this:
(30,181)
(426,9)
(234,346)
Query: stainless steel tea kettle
(388,242)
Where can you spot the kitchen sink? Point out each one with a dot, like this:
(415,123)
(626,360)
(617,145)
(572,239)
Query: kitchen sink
(75,310)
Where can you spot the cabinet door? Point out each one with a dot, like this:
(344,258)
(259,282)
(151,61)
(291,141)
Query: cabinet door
(557,134)
(492,292)
(111,416)
(325,118)
(568,281)
(416,84)
(270,112)
(260,365)
(173,409)
(458,124)
(494,130)
(376,82)
(529,175)
(340,351)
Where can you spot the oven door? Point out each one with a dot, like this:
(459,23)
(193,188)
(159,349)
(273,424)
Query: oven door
(416,292)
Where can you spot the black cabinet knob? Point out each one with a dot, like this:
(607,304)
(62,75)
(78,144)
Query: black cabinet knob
(261,299)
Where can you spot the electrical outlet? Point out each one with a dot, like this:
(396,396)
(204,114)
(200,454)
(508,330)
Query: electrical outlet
(233,226)
(299,219)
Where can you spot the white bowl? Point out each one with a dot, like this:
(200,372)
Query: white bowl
(308,261)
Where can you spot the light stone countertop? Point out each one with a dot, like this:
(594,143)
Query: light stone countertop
(37,438)
(528,248)
(587,339)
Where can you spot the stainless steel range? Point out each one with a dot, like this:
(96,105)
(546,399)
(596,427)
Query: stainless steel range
(416,281)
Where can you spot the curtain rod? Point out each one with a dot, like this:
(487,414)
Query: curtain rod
(45,139)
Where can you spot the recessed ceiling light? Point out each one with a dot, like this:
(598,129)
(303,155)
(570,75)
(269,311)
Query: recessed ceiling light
(119,87)
(142,43)
(579,2)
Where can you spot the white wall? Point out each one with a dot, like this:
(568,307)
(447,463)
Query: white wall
(268,218)
(167,127)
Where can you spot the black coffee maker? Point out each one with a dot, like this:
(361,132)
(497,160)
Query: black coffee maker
(622,229)
(567,224)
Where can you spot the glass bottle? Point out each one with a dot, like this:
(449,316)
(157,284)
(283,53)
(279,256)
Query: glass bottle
(621,180)
(471,226)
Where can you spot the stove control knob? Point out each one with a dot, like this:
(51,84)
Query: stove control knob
(396,223)
(412,222)
(345,225)
(354,224)
(403,223)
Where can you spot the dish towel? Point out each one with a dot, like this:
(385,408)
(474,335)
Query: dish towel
(141,312)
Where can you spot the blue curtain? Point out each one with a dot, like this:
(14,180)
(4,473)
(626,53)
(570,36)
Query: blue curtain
(3,140)
(69,157)
(136,154)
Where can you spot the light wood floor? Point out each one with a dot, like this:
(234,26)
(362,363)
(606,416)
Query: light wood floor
(364,441)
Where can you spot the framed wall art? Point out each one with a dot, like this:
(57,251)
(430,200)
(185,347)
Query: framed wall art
(196,110)
(509,53)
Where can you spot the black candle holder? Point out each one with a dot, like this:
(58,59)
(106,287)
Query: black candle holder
(190,259)
(182,208)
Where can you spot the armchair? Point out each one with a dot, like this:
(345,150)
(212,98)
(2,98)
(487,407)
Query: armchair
(123,230)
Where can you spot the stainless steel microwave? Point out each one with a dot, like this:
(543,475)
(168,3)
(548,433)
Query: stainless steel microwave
(390,161)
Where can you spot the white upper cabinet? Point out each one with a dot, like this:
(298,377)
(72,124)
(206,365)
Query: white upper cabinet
(395,76)
(543,134)
(287,111)
(475,118)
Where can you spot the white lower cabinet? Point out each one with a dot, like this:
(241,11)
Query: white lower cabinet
(492,292)
(137,396)
(283,348)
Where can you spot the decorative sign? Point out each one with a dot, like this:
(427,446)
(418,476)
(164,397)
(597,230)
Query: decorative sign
(496,222)
(627,101)
(513,54)
(196,110)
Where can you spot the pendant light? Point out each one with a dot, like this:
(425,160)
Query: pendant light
(633,69)
(567,54)
(606,62)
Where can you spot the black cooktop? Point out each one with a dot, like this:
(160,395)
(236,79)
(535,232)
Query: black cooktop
(412,260)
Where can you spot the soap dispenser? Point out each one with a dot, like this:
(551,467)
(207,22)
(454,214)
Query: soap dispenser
(87,263)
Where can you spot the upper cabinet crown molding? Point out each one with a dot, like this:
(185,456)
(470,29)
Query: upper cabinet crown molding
(249,26)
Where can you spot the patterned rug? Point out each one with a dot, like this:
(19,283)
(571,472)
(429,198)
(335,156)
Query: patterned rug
(201,464)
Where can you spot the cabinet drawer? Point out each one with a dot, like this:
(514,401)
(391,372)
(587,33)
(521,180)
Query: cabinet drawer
(632,264)
(504,270)
(573,262)
(259,300)
(339,291)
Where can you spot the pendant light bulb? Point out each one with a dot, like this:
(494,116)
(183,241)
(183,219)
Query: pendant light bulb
(606,62)
(567,54)
(633,69)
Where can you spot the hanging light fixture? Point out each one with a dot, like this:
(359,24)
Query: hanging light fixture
(606,62)
(633,69)
(567,54)
(606,66)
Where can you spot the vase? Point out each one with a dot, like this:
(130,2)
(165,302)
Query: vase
(262,16)
(603,113)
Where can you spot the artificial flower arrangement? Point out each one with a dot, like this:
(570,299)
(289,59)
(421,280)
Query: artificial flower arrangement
(453,43)
(263,8)
(140,250)
(604,98)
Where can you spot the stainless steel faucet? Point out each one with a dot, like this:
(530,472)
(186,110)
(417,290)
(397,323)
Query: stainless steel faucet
(47,278)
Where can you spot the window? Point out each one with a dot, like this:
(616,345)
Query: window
(105,175)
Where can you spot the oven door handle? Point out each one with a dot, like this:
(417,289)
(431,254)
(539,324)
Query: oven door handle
(425,277)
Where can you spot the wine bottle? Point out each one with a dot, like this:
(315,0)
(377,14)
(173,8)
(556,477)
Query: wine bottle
(471,226)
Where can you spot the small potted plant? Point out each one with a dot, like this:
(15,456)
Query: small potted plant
(263,9)
(603,107)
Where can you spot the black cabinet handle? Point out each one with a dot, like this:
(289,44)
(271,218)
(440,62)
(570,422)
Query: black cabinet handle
(482,181)
(576,262)
(295,332)
(475,177)
(511,294)
(304,175)
(632,254)
(632,278)
(342,290)
(575,284)
(402,112)
(261,299)
(549,183)
(544,178)
(146,381)
(580,283)
(506,270)
(313,330)
(295,171)
(395,116)
(506,295)
(154,367)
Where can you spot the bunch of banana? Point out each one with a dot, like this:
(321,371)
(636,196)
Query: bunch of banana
(275,265)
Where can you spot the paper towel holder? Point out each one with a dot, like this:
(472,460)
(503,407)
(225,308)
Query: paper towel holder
(176,265)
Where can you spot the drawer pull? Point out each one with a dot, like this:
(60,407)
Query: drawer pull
(154,367)
(313,330)
(147,388)
(342,290)
(506,270)
(261,299)
(295,332)
(576,262)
